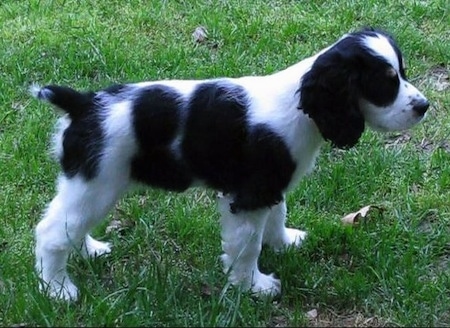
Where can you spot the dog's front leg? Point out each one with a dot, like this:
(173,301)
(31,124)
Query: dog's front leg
(242,235)
(276,235)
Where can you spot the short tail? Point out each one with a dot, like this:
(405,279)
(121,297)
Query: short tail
(69,100)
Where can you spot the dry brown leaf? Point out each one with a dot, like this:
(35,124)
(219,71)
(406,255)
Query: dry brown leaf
(354,218)
(279,321)
(427,145)
(114,225)
(200,34)
(329,318)
(440,78)
(398,139)
(206,290)
(441,85)
(118,224)
(312,314)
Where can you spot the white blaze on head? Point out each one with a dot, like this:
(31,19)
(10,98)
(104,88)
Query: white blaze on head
(381,46)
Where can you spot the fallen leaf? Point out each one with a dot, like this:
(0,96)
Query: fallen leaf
(445,145)
(439,78)
(398,139)
(426,145)
(354,218)
(312,314)
(118,224)
(114,225)
(279,321)
(441,85)
(200,34)
(208,290)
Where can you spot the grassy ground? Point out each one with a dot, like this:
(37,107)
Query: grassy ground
(393,269)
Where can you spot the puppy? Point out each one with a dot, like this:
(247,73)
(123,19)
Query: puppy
(250,138)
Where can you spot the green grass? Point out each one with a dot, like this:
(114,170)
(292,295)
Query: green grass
(393,269)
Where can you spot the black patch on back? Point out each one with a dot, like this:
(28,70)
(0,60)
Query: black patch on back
(215,133)
(156,119)
(83,141)
(252,163)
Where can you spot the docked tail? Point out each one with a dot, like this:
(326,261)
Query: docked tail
(69,100)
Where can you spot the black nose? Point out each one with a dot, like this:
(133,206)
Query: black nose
(421,106)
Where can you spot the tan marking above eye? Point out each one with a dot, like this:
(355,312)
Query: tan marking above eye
(391,72)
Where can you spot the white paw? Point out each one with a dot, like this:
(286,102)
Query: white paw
(63,290)
(266,285)
(251,279)
(295,237)
(94,248)
(226,262)
(292,237)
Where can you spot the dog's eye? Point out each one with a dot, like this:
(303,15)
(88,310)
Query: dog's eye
(391,72)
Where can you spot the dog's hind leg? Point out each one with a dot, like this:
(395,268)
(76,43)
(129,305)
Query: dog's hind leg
(276,235)
(242,234)
(78,206)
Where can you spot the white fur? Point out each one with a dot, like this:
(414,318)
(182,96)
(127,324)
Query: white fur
(242,237)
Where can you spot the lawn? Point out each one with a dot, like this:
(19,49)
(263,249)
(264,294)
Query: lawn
(393,268)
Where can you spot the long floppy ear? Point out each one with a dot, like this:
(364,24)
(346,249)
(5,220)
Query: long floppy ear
(329,94)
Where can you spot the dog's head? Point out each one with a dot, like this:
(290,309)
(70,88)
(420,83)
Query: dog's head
(361,78)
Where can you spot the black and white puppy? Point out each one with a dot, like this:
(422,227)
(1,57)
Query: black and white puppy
(250,138)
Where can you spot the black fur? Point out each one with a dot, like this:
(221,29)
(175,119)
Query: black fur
(83,139)
(252,163)
(215,132)
(71,101)
(82,146)
(331,90)
(267,168)
(156,119)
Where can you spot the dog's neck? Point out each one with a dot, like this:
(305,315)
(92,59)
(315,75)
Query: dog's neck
(305,152)
(275,100)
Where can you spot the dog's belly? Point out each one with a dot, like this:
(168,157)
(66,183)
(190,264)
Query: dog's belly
(161,168)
